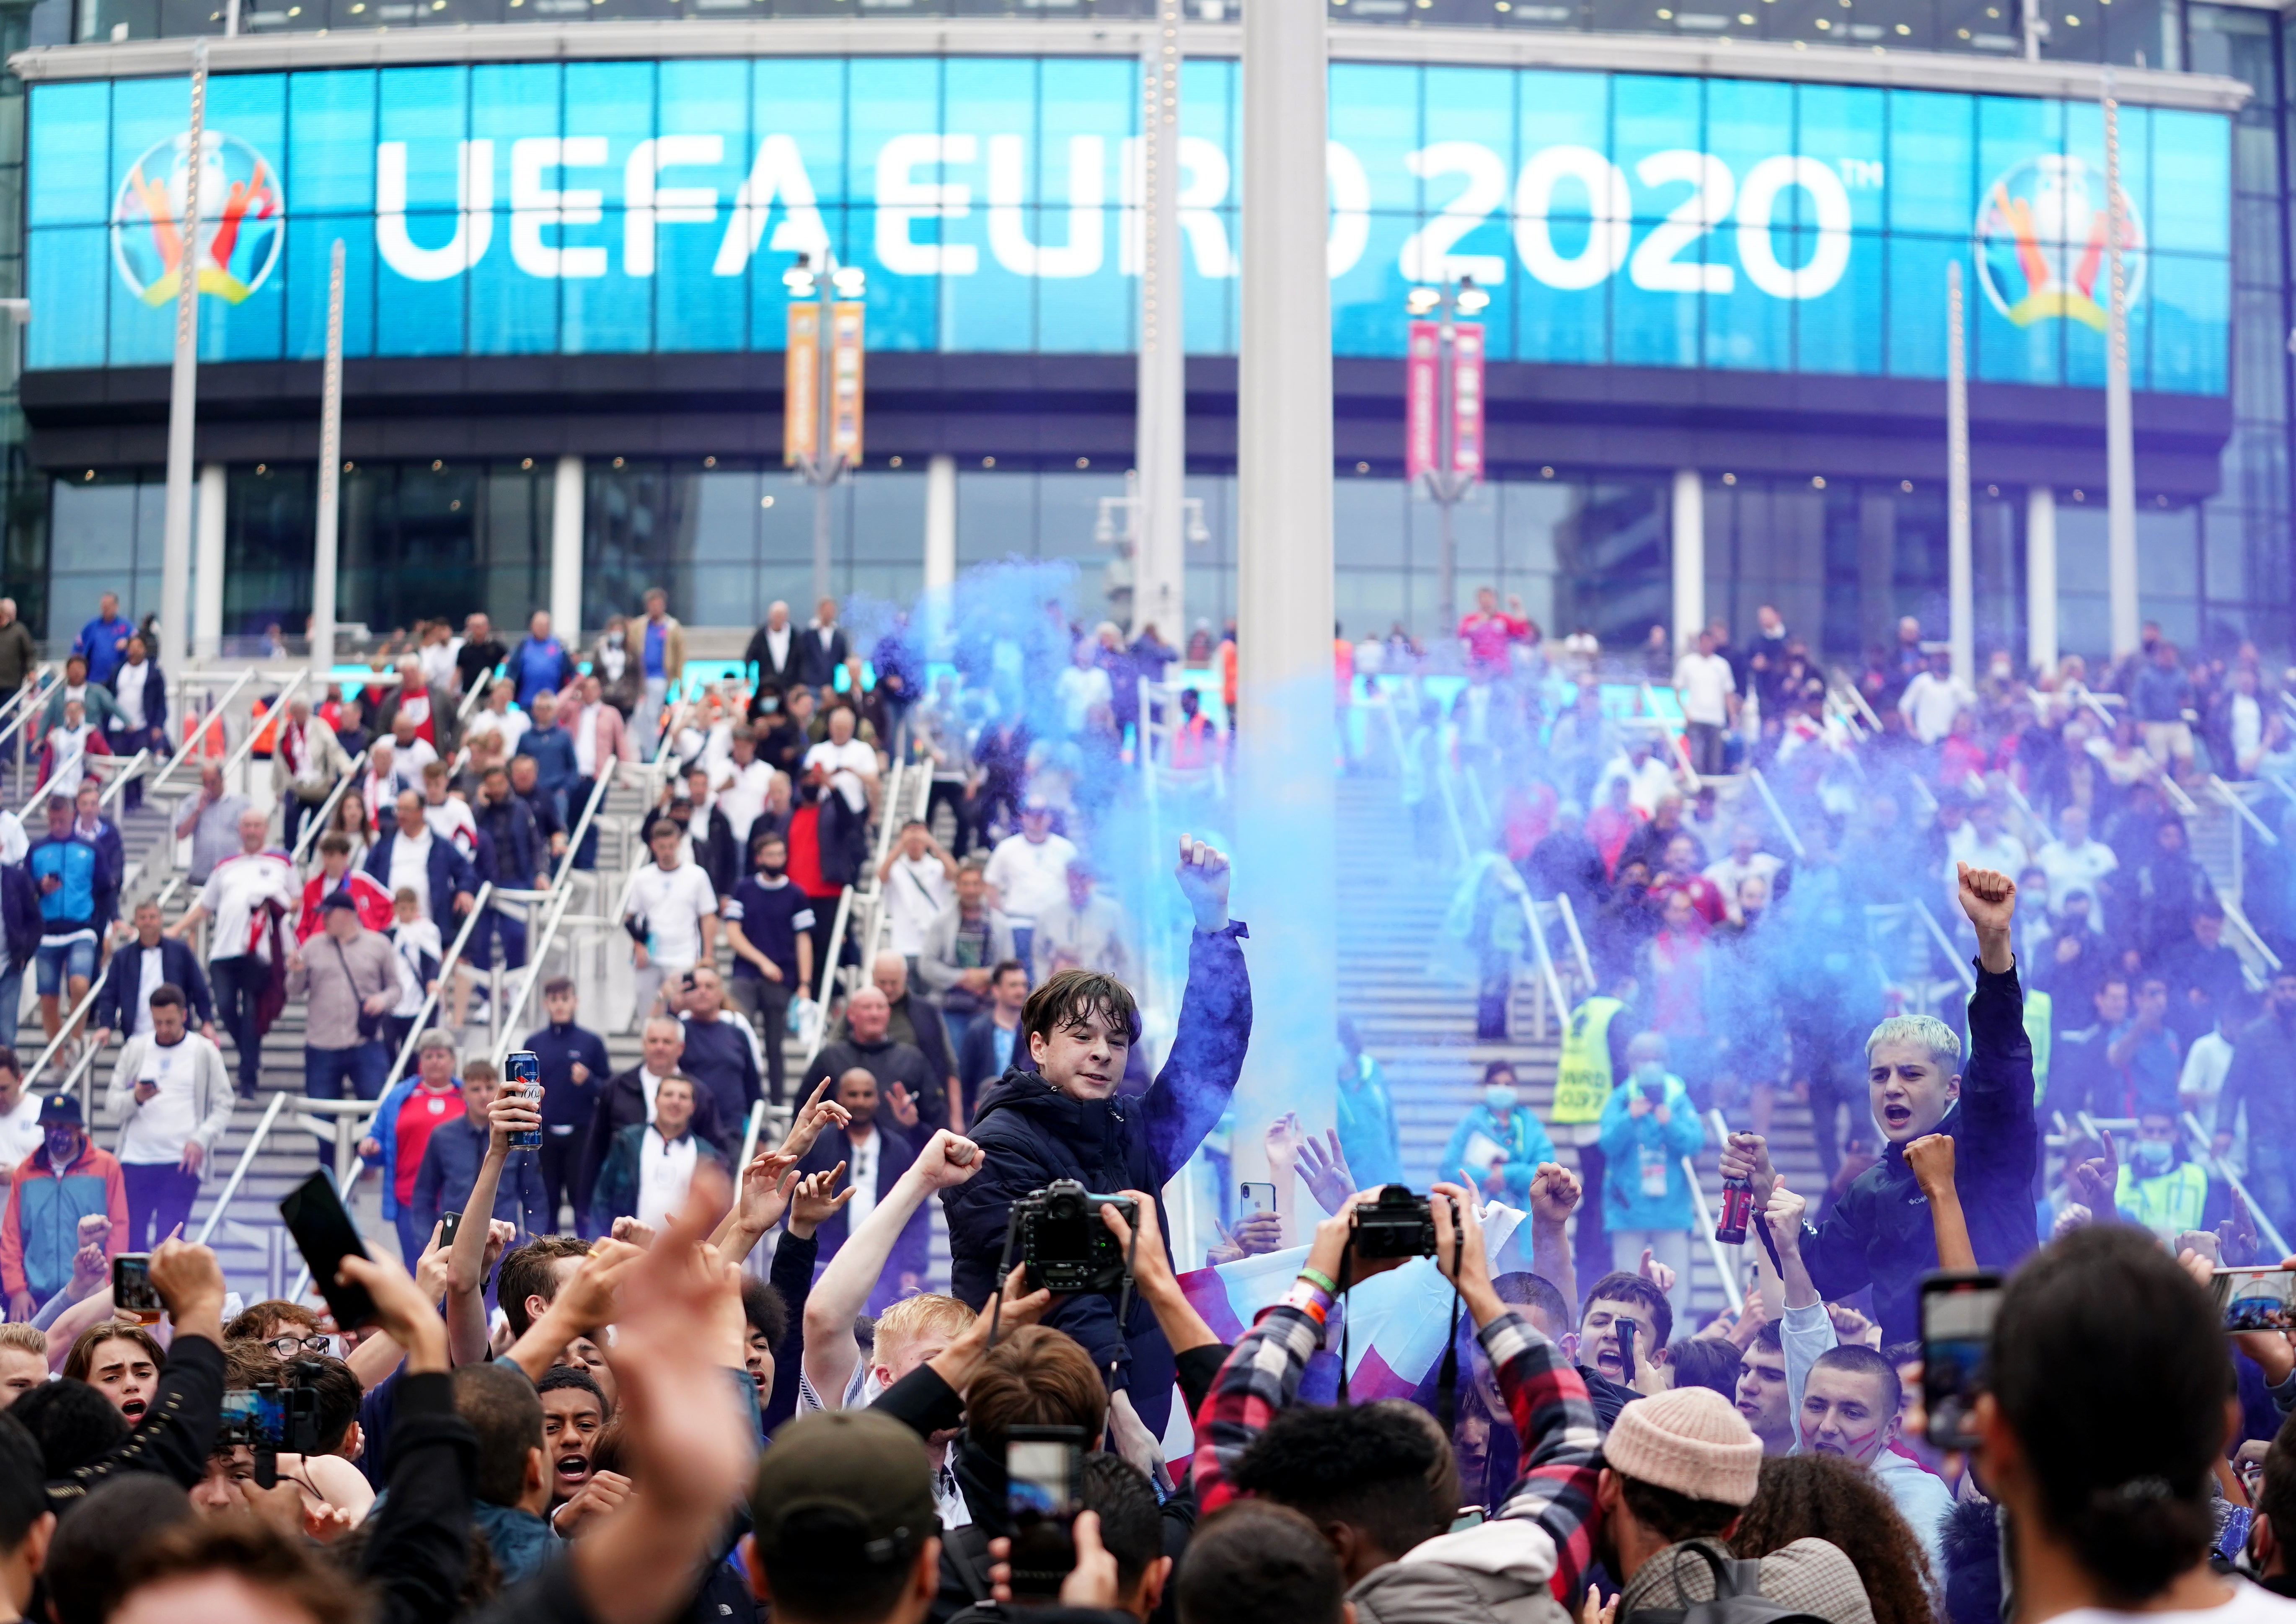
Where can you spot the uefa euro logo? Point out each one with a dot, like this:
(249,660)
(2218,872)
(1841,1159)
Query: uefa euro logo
(2041,231)
(243,215)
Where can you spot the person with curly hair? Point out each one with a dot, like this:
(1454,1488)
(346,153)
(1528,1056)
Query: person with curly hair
(1824,1496)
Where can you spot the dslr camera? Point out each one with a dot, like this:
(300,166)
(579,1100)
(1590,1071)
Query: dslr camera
(274,1418)
(1399,1224)
(1061,1238)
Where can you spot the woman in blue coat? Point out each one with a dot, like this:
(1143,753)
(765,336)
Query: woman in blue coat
(1648,1127)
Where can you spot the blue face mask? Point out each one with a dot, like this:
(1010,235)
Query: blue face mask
(1499,1096)
(2152,1155)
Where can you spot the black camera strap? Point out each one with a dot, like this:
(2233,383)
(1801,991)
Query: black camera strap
(1447,1374)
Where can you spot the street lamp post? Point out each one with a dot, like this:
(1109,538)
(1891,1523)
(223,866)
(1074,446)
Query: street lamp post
(821,400)
(1435,408)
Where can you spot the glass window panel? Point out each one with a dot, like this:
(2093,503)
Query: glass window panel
(2190,308)
(1374,114)
(1367,522)
(74,120)
(69,273)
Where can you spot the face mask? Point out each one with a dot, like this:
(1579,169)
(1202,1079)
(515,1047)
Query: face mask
(766,707)
(774,870)
(60,1146)
(1499,1096)
(613,640)
(1650,1074)
(2152,1155)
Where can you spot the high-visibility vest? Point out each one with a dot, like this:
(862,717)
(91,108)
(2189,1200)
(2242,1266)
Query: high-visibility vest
(1583,1078)
(2167,1205)
(2037,1032)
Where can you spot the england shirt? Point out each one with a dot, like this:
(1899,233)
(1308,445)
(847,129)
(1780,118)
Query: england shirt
(671,904)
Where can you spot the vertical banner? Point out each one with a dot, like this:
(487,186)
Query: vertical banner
(1422,369)
(1467,399)
(845,381)
(801,382)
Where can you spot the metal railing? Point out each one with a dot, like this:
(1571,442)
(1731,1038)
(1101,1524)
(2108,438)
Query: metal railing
(1443,770)
(1777,813)
(80,1075)
(2238,919)
(1578,942)
(315,821)
(194,739)
(2246,812)
(1946,945)
(2221,1169)
(239,1174)
(833,972)
(133,766)
(546,936)
(1560,1005)
(446,964)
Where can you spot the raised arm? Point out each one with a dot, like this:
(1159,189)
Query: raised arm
(1931,1158)
(831,1351)
(1215,1025)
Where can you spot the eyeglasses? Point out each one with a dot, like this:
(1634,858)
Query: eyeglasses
(288,1347)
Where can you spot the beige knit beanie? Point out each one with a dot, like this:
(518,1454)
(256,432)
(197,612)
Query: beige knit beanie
(1691,1439)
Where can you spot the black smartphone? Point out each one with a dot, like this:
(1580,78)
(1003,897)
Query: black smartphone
(325,1235)
(1044,1470)
(1957,1312)
(1624,1329)
(448,1222)
(133,1294)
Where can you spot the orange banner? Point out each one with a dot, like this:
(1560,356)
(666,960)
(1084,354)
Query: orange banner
(845,380)
(801,383)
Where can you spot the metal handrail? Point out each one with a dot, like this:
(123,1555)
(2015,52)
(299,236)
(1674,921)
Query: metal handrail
(79,1075)
(918,787)
(316,823)
(1578,941)
(832,972)
(546,935)
(134,766)
(2225,794)
(1952,953)
(1561,1005)
(749,1135)
(2238,919)
(238,757)
(1442,771)
(446,969)
(246,1159)
(1777,813)
(33,697)
(213,718)
(65,1028)
(2221,1169)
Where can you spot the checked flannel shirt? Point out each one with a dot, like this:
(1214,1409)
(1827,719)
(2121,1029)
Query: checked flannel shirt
(1554,1419)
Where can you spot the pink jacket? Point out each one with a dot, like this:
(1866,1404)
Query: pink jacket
(614,741)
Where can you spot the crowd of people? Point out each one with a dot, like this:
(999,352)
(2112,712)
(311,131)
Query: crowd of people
(630,1376)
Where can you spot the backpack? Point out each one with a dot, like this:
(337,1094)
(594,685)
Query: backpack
(1738,1599)
(964,1573)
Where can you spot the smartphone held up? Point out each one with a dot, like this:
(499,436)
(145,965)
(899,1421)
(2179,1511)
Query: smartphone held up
(1958,1313)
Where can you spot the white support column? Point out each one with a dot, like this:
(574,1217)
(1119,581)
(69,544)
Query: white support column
(207,575)
(2119,429)
(2041,578)
(184,378)
(1285,795)
(941,523)
(566,551)
(1960,575)
(1689,513)
(1160,420)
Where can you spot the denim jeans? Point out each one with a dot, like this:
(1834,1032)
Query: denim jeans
(239,982)
(363,1065)
(11,998)
(160,1197)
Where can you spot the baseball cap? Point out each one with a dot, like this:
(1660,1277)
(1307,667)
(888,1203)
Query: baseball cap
(60,1107)
(840,1486)
(339,899)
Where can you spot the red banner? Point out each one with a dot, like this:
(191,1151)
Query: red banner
(1421,373)
(1467,399)
(801,382)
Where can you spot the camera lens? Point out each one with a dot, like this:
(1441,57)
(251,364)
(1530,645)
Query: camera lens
(1064,1209)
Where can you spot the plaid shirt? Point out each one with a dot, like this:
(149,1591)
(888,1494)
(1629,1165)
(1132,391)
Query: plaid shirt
(1561,1444)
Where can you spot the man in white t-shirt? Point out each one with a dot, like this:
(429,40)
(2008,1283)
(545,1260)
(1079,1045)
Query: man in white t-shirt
(21,1133)
(744,786)
(1028,873)
(173,1101)
(843,762)
(237,897)
(1747,861)
(673,915)
(918,879)
(1703,682)
(2076,863)
(1934,698)
(411,752)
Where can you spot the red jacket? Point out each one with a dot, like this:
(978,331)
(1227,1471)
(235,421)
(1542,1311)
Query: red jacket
(39,1228)
(373,898)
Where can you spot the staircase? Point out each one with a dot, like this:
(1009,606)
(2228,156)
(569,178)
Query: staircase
(1420,1029)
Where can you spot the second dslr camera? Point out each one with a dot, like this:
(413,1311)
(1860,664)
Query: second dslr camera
(1064,1243)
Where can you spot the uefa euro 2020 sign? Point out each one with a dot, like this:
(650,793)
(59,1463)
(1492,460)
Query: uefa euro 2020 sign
(630,207)
(242,214)
(2041,239)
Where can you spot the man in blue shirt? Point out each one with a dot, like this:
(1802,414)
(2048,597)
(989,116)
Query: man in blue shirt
(574,1072)
(103,641)
(553,750)
(768,919)
(70,877)
(540,663)
(2147,1054)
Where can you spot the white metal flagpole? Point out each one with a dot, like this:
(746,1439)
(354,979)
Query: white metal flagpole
(326,553)
(183,391)
(1960,586)
(1160,425)
(2120,429)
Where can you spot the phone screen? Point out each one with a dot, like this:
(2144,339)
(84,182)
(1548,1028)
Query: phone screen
(133,1293)
(1042,1466)
(1957,1314)
(2257,1298)
(325,1235)
(259,1418)
(1256,1198)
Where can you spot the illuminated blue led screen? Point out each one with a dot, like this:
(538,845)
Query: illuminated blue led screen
(1616,219)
